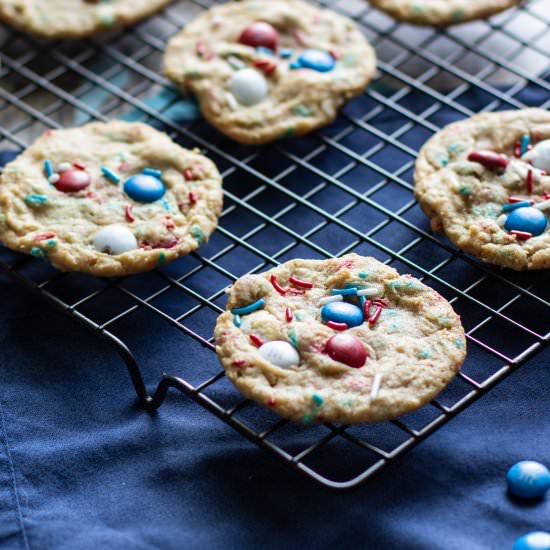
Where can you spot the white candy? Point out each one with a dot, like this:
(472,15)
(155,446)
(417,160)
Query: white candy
(115,239)
(248,87)
(54,178)
(373,291)
(280,353)
(376,386)
(539,155)
(64,166)
(330,299)
(544,205)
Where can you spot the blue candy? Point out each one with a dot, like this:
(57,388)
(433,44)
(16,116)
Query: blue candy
(342,312)
(528,219)
(528,479)
(536,540)
(144,188)
(317,60)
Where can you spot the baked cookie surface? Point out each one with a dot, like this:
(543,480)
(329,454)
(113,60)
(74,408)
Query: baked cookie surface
(108,199)
(346,340)
(266,70)
(75,18)
(483,182)
(442,12)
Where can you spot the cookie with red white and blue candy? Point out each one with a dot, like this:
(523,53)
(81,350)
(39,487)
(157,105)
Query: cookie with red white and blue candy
(109,199)
(267,70)
(346,340)
(484,182)
(442,12)
(75,18)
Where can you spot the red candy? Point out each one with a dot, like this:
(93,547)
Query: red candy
(260,34)
(71,181)
(489,159)
(347,349)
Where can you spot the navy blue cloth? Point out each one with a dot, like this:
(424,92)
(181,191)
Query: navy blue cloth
(82,467)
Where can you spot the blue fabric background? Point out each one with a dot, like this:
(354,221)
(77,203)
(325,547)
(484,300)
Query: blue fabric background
(82,467)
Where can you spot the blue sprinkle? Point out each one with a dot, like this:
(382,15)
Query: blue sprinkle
(237,320)
(295,65)
(152,172)
(38,252)
(166,204)
(513,206)
(285,53)
(524,144)
(362,301)
(344,291)
(265,51)
(48,168)
(317,399)
(110,175)
(36,199)
(259,304)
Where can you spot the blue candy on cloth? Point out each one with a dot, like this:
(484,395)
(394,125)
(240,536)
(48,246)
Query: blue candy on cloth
(537,540)
(528,479)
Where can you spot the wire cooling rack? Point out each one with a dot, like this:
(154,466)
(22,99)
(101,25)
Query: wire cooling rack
(345,188)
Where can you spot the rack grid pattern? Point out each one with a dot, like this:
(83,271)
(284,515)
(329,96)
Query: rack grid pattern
(344,188)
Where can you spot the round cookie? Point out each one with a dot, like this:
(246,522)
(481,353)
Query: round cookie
(346,340)
(75,18)
(267,70)
(108,199)
(481,185)
(442,12)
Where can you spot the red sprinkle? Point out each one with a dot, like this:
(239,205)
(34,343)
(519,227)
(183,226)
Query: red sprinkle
(489,159)
(239,363)
(337,326)
(289,315)
(546,196)
(375,315)
(193,197)
(271,402)
(521,235)
(335,54)
(129,213)
(48,132)
(295,291)
(517,149)
(300,38)
(124,167)
(345,263)
(200,48)
(169,224)
(188,174)
(44,236)
(366,308)
(256,340)
(277,286)
(513,200)
(530,181)
(299,282)
(79,165)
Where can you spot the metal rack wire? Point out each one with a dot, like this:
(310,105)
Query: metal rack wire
(344,188)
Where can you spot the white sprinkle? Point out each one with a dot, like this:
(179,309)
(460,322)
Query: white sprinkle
(369,292)
(327,106)
(544,205)
(375,386)
(231,101)
(54,178)
(235,62)
(501,220)
(329,299)
(64,166)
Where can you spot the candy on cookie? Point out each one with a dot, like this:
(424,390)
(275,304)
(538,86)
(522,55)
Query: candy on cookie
(108,199)
(346,340)
(267,70)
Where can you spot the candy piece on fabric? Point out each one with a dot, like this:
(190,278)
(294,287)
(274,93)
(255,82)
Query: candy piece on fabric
(342,312)
(248,87)
(489,159)
(527,220)
(144,188)
(347,349)
(72,180)
(260,34)
(528,479)
(536,540)
(539,155)
(316,60)
(280,353)
(115,239)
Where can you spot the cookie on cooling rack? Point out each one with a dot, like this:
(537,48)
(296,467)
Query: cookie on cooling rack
(267,70)
(442,12)
(346,340)
(75,18)
(108,199)
(483,181)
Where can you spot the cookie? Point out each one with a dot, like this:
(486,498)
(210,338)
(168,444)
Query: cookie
(268,70)
(108,199)
(483,182)
(346,340)
(75,18)
(442,12)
